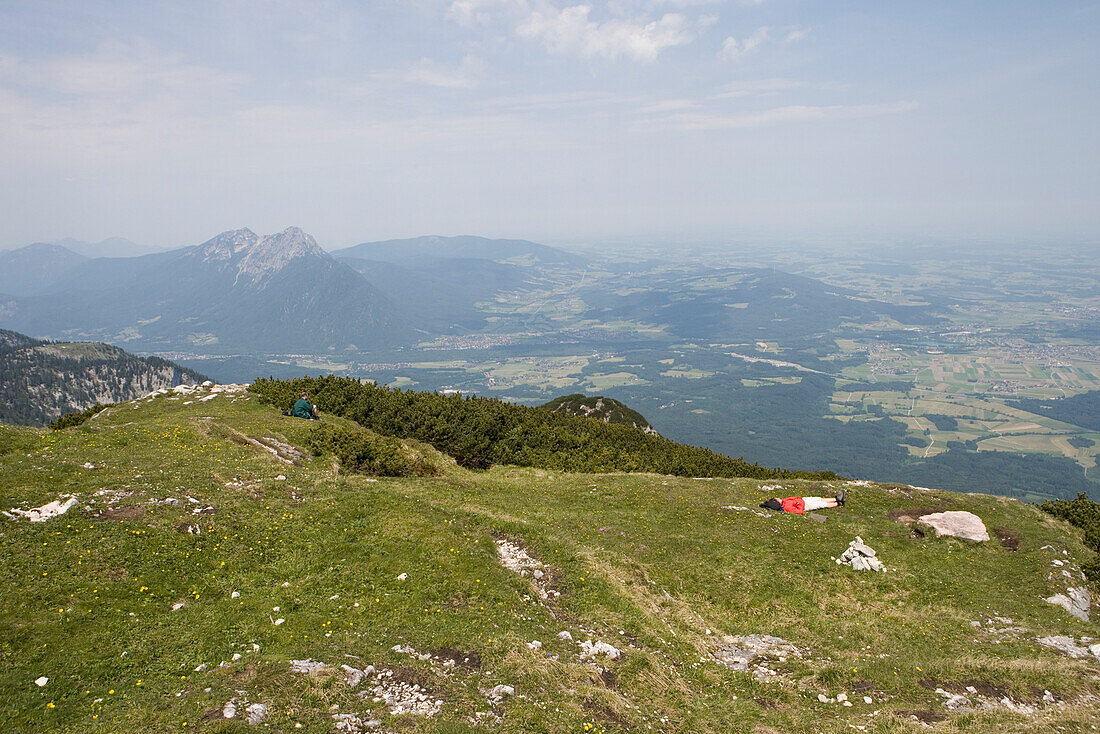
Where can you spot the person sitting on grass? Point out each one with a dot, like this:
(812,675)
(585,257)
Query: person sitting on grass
(801,505)
(304,409)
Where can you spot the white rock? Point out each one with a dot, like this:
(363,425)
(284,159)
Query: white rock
(208,383)
(564,635)
(257,712)
(279,621)
(534,645)
(402,577)
(229,710)
(307,666)
(956,701)
(867,699)
(501,691)
(823,698)
(41,681)
(46,511)
(353,676)
(236,656)
(965,525)
(235,595)
(591,649)
(1076,601)
(177,606)
(201,668)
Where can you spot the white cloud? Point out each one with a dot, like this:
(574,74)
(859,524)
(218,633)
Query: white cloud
(120,71)
(735,50)
(797,35)
(757,87)
(714,120)
(469,12)
(468,74)
(570,31)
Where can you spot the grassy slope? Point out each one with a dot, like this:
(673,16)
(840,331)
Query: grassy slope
(646,563)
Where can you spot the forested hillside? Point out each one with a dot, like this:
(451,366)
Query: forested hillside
(39,381)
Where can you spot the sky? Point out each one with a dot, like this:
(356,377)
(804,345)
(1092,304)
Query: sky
(630,121)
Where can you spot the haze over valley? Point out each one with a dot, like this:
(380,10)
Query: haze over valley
(942,369)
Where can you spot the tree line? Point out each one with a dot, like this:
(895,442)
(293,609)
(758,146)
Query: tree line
(480,432)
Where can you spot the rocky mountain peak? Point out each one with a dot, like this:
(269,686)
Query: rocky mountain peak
(253,257)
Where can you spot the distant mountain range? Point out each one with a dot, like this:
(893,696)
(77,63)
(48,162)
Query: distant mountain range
(240,292)
(40,381)
(415,250)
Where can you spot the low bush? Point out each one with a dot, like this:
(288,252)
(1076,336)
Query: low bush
(362,452)
(1085,514)
(76,418)
(481,432)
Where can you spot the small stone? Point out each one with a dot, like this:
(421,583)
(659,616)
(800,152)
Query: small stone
(279,621)
(402,577)
(534,645)
(236,656)
(41,681)
(867,699)
(823,698)
(229,710)
(235,595)
(257,712)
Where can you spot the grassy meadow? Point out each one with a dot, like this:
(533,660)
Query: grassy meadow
(199,563)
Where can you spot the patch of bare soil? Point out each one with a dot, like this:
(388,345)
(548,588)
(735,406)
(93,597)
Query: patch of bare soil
(923,715)
(405,674)
(985,688)
(130,512)
(464,660)
(600,712)
(1009,539)
(909,515)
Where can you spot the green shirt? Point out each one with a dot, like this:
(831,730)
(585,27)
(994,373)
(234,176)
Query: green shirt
(302,409)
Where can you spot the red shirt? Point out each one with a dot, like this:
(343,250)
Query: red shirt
(793,504)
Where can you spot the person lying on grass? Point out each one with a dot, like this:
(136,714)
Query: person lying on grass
(304,409)
(800,505)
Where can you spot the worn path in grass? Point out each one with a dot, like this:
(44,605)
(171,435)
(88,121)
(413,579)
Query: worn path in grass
(199,563)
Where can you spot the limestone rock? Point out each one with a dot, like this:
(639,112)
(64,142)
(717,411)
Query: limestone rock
(1076,601)
(965,525)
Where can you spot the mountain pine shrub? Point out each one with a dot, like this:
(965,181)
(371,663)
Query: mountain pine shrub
(480,432)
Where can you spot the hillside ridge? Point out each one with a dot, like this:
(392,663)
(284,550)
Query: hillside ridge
(209,569)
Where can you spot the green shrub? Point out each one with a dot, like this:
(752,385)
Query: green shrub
(76,418)
(481,432)
(363,452)
(1085,514)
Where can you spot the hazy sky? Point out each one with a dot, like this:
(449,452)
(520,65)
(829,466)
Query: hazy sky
(631,120)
